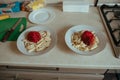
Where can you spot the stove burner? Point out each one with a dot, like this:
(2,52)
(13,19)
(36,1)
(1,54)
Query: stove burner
(116,28)
(117,14)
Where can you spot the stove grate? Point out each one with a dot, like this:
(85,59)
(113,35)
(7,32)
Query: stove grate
(111,15)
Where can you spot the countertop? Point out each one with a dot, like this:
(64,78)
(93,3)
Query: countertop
(61,55)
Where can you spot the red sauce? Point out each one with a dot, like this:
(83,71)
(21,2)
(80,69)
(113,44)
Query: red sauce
(33,36)
(88,37)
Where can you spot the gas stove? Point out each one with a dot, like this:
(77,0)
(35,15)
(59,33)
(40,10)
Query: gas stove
(111,18)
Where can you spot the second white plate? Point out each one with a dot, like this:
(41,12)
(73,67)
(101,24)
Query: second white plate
(41,16)
(102,41)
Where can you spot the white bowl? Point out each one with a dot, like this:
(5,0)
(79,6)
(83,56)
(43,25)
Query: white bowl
(101,45)
(21,46)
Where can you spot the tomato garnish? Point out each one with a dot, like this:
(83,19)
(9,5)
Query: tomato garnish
(88,37)
(33,36)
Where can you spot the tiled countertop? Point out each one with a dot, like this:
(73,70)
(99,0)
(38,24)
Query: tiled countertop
(61,55)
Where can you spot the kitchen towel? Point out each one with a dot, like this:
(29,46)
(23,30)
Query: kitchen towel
(7,24)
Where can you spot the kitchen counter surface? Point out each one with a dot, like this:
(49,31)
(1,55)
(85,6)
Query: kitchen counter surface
(61,55)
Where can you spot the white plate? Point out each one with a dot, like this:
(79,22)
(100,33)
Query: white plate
(41,16)
(20,44)
(101,45)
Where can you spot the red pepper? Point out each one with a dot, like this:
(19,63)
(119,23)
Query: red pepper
(88,37)
(33,36)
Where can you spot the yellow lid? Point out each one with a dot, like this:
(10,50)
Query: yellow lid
(36,4)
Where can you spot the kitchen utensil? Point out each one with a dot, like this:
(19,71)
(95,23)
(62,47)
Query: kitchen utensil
(11,30)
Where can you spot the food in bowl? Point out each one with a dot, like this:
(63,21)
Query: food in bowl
(37,40)
(84,40)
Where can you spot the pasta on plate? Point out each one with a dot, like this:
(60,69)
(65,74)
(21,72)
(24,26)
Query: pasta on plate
(42,44)
(78,43)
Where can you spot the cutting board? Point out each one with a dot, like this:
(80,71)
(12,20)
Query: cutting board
(7,24)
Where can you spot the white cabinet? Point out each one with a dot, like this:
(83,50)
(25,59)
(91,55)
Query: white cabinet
(37,75)
(49,73)
(19,74)
(84,71)
(81,74)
